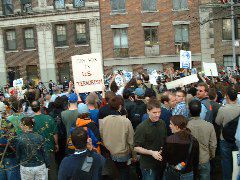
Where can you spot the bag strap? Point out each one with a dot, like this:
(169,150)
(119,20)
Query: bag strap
(189,149)
(234,119)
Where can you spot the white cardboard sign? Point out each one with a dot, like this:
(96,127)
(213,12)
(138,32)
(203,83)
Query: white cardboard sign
(18,83)
(182,82)
(210,69)
(185,59)
(88,72)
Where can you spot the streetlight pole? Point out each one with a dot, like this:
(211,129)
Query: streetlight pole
(233,35)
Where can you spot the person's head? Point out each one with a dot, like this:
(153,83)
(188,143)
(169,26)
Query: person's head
(165,100)
(195,107)
(131,83)
(177,123)
(139,93)
(91,100)
(109,95)
(202,90)
(83,111)
(36,107)
(27,123)
(114,88)
(192,91)
(48,97)
(231,95)
(172,100)
(79,138)
(59,103)
(145,77)
(154,109)
(212,94)
(15,106)
(72,98)
(116,103)
(127,93)
(181,96)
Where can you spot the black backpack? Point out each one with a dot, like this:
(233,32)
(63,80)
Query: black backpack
(149,91)
(139,110)
(229,130)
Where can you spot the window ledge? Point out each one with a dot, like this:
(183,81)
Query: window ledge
(29,50)
(118,13)
(179,10)
(61,47)
(150,11)
(81,45)
(11,51)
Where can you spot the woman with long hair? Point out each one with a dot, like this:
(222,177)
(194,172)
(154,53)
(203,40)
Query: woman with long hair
(181,152)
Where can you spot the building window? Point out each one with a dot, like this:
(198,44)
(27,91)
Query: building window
(227,29)
(81,36)
(11,40)
(228,61)
(29,38)
(181,37)
(61,35)
(63,71)
(151,41)
(26,6)
(78,3)
(180,4)
(118,6)
(7,7)
(32,72)
(120,41)
(149,5)
(59,4)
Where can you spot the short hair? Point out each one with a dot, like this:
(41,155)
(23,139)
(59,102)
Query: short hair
(109,95)
(164,98)
(204,85)
(113,87)
(127,93)
(145,77)
(153,103)
(35,105)
(195,108)
(232,93)
(183,92)
(79,138)
(115,102)
(28,121)
(212,94)
(91,99)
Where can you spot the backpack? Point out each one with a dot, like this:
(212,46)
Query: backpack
(229,130)
(139,111)
(84,169)
(149,91)
(92,132)
(209,115)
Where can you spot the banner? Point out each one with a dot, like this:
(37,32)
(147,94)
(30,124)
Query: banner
(185,59)
(210,69)
(182,82)
(88,72)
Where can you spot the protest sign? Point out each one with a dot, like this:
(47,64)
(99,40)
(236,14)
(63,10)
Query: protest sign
(185,59)
(182,82)
(210,69)
(87,72)
(128,75)
(153,77)
(119,80)
(194,71)
(18,83)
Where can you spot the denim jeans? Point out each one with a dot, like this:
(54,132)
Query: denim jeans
(10,169)
(227,162)
(186,176)
(149,174)
(123,170)
(204,171)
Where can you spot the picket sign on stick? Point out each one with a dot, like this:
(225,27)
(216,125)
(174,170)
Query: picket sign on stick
(182,82)
(88,72)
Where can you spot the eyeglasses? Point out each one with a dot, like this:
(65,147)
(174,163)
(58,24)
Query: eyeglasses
(200,90)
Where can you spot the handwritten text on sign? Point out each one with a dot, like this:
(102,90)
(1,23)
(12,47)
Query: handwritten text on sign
(87,72)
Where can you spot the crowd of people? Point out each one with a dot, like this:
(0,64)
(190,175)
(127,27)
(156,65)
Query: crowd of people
(137,131)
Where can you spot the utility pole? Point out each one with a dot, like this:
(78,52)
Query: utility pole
(233,34)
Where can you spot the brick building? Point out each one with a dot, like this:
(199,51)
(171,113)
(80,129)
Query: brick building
(38,37)
(148,34)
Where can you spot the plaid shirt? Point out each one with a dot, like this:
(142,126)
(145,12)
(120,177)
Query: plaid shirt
(181,109)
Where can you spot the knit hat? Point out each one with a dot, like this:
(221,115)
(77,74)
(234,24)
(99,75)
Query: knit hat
(72,98)
(82,108)
(139,92)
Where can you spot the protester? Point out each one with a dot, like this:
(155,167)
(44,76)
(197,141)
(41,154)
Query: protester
(84,163)
(204,132)
(45,126)
(91,102)
(181,107)
(31,152)
(226,114)
(181,147)
(149,139)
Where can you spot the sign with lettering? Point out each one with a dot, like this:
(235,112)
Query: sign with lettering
(88,72)
(185,59)
(18,83)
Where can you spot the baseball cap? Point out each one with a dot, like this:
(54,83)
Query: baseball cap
(139,92)
(72,98)
(82,108)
